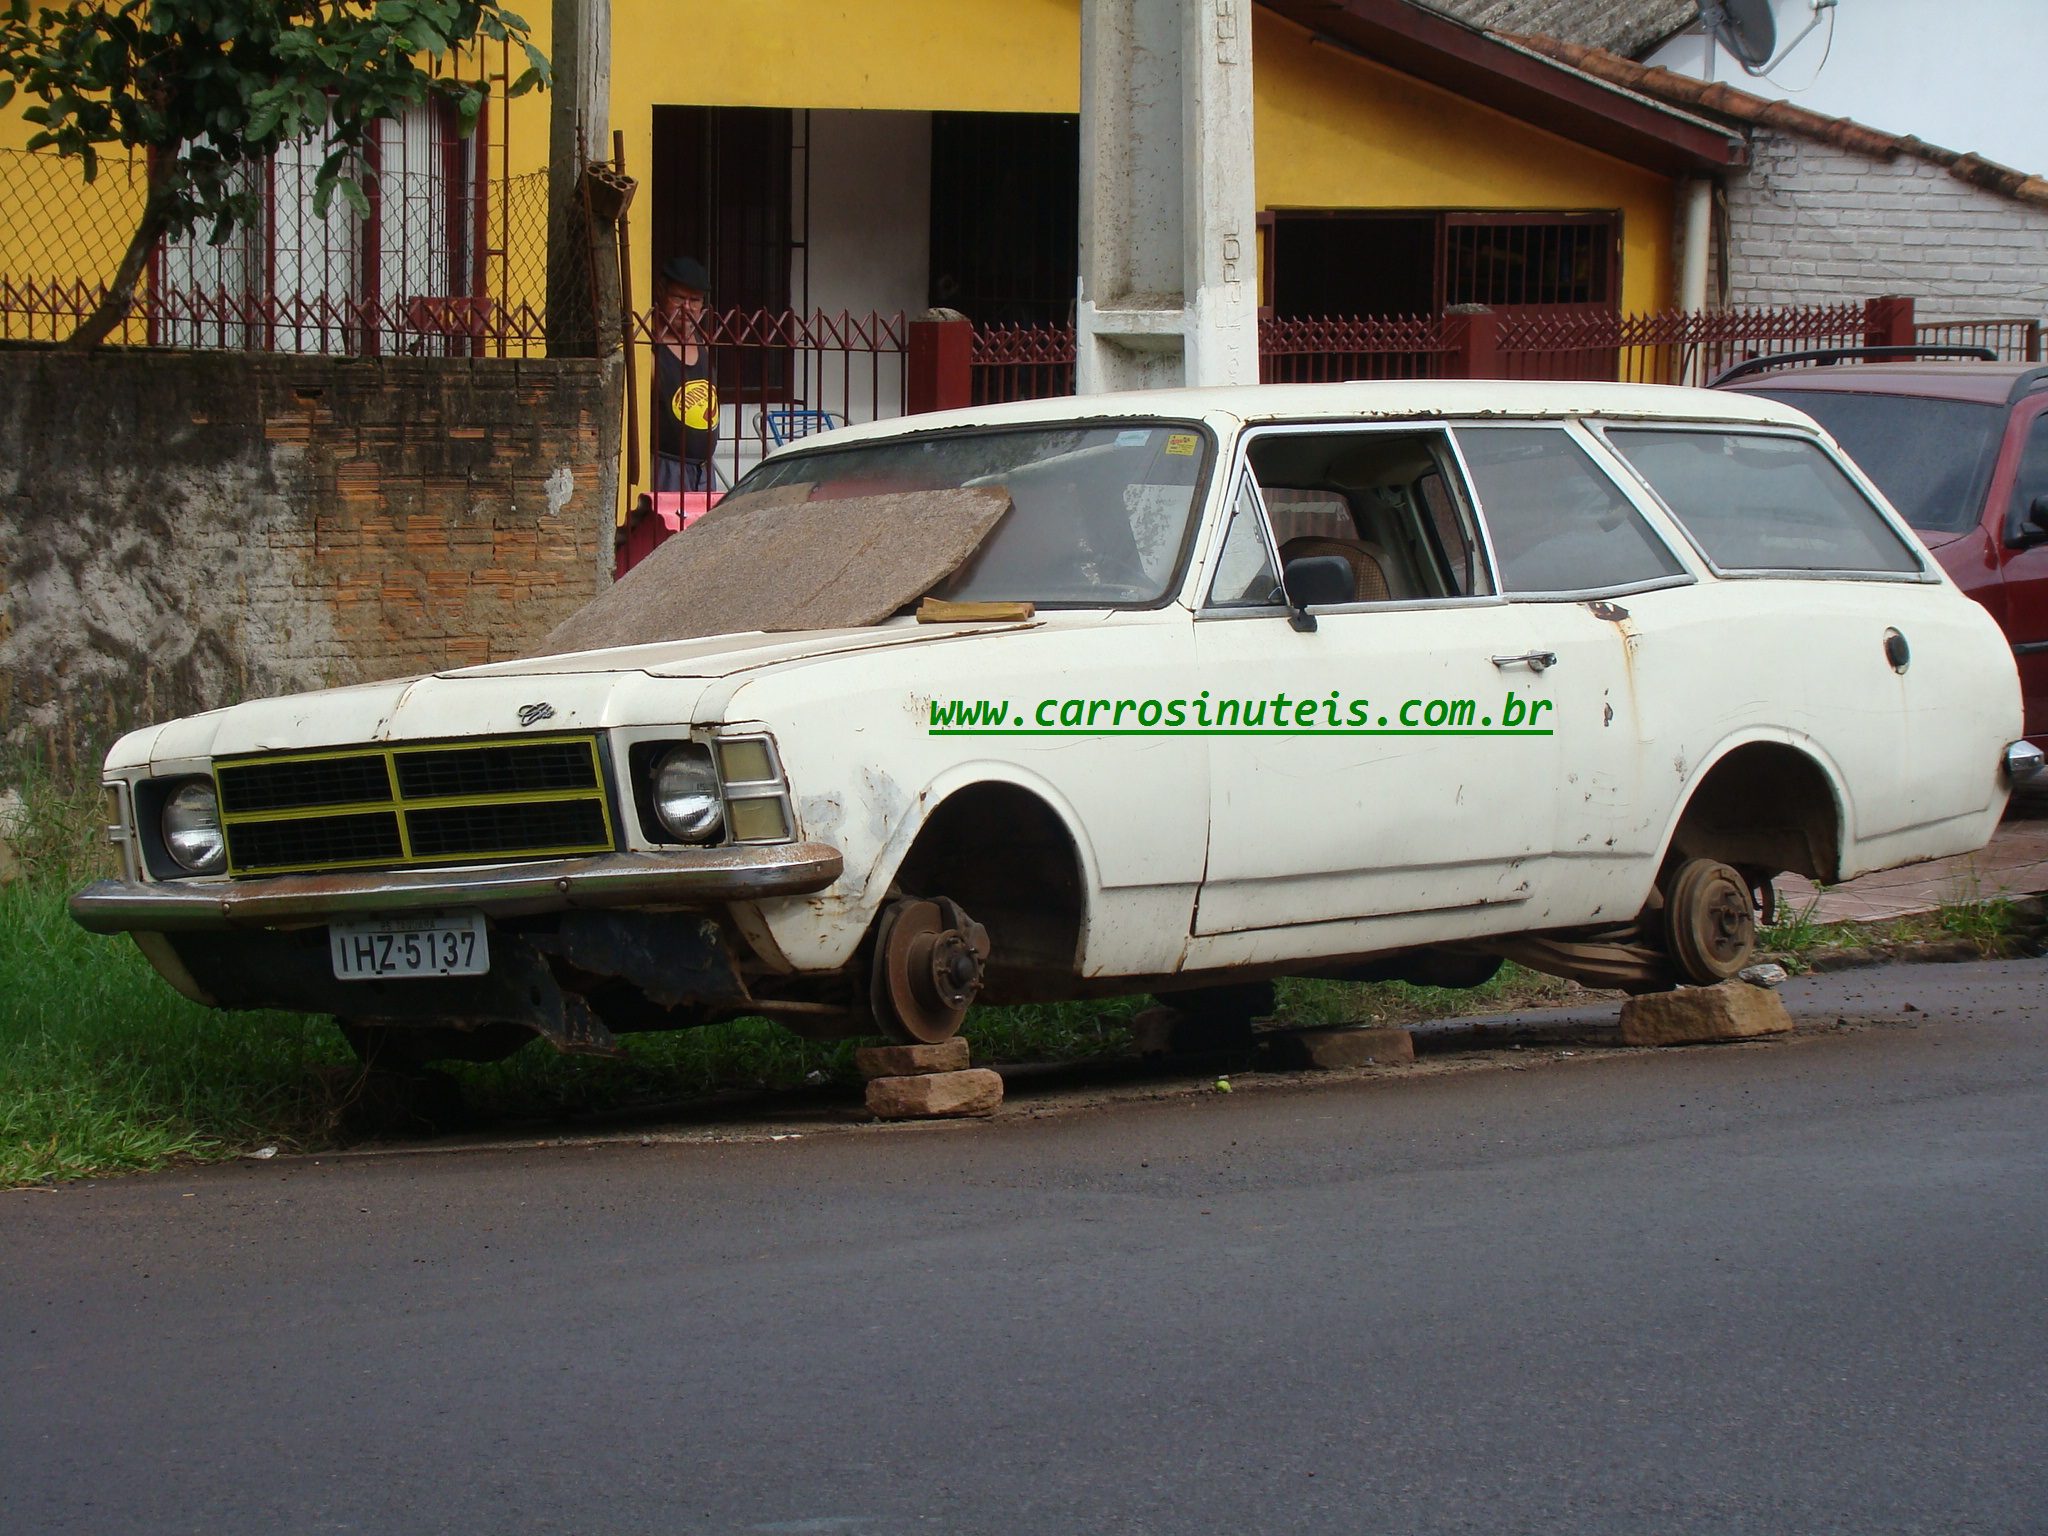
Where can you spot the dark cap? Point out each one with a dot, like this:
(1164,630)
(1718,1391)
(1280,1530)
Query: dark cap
(687,272)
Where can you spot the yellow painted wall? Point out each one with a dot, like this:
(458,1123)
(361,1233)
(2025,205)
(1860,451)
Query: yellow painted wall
(1334,131)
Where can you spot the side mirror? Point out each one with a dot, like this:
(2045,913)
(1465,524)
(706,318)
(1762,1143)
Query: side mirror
(2031,528)
(1316,581)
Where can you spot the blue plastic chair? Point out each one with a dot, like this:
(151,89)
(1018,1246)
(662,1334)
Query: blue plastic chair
(785,423)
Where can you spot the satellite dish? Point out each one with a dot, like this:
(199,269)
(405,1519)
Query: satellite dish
(1746,28)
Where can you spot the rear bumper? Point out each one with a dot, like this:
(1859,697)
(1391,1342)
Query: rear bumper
(685,878)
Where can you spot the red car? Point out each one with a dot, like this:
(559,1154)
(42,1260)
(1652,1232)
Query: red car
(1961,449)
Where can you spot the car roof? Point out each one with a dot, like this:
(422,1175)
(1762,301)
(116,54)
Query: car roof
(1988,383)
(1384,400)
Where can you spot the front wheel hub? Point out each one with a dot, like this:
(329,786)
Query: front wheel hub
(1710,921)
(930,958)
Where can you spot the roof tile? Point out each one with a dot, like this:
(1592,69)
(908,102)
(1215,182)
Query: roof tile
(1719,99)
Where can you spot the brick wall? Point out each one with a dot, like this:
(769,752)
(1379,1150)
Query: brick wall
(179,530)
(1811,223)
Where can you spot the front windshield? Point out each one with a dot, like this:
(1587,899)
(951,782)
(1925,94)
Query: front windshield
(1099,514)
(1929,456)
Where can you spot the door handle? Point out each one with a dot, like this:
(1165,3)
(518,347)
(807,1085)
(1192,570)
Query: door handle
(1536,661)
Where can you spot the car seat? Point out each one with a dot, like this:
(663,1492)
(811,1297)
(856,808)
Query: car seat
(1367,562)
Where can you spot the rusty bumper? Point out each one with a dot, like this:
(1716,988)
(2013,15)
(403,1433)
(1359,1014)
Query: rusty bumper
(685,878)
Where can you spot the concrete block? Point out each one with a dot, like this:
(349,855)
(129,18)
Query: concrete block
(1152,1030)
(936,1095)
(1337,1047)
(1731,1010)
(911,1060)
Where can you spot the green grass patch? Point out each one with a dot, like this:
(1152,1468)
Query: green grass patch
(1307,1001)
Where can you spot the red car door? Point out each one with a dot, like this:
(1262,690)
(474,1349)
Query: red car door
(2021,479)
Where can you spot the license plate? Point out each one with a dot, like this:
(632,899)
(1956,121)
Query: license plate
(446,944)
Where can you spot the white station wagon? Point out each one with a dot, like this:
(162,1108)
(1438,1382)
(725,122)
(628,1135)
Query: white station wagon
(1166,692)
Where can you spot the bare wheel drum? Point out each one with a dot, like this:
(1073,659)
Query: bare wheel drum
(929,961)
(1709,921)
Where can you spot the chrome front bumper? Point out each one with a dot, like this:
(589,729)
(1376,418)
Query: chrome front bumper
(687,877)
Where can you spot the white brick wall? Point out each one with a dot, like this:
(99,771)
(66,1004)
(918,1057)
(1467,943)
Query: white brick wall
(1812,224)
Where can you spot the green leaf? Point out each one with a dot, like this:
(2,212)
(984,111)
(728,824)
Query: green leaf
(6,92)
(357,198)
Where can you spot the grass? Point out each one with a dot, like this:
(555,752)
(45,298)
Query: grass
(1993,925)
(1305,1001)
(1795,937)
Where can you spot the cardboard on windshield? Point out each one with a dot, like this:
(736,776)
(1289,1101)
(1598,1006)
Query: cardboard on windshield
(776,561)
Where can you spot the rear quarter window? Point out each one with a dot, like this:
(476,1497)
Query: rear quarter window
(1757,501)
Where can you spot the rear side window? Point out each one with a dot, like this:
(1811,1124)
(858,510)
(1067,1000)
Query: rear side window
(1757,501)
(1558,523)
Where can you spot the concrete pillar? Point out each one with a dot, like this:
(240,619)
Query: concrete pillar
(1169,290)
(939,369)
(579,99)
(1698,202)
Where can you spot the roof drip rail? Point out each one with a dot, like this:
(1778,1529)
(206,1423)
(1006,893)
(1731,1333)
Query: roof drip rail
(1828,356)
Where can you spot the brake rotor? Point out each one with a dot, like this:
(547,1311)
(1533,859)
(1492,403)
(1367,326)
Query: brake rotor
(930,958)
(1709,921)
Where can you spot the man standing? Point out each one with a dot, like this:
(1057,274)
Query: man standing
(685,397)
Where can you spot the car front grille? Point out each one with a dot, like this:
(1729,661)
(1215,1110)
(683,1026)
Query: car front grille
(445,803)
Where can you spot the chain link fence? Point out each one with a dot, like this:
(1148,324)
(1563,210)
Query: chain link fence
(447,261)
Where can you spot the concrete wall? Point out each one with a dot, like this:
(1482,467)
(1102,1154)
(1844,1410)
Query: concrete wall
(1811,223)
(180,530)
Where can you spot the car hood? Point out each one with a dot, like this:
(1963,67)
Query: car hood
(590,690)
(725,655)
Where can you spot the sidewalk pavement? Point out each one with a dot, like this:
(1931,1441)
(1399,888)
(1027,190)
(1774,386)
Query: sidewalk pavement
(2013,863)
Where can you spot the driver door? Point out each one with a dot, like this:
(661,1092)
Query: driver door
(1398,757)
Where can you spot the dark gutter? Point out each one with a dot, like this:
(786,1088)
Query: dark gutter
(1523,84)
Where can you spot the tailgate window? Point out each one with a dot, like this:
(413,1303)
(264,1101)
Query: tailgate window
(1762,501)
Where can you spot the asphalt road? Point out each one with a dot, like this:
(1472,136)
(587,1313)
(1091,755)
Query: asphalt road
(1792,1287)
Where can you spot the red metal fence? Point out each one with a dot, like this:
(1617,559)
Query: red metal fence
(779,375)
(2015,341)
(1021,362)
(1668,346)
(1304,351)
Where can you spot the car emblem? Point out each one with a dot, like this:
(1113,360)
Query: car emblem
(533,714)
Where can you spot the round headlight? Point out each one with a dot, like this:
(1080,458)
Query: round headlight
(191,824)
(686,795)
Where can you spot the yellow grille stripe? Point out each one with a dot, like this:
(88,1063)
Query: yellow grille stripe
(399,803)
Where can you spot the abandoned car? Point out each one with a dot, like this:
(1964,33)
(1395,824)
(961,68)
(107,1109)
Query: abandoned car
(1143,693)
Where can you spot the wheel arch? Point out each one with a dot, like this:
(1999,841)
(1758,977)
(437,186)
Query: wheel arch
(1009,847)
(1714,818)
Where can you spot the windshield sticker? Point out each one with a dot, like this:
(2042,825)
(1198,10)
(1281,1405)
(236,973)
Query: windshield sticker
(1135,438)
(1182,444)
